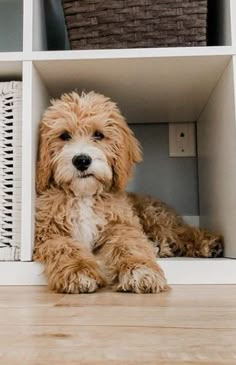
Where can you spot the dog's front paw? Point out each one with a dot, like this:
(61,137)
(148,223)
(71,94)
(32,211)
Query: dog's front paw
(72,280)
(140,278)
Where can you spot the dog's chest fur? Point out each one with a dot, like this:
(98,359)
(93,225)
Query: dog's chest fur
(85,222)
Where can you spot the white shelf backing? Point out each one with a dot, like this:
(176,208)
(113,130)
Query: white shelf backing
(147,89)
(35,101)
(217,160)
(177,271)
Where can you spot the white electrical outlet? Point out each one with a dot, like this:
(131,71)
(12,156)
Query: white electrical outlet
(182,140)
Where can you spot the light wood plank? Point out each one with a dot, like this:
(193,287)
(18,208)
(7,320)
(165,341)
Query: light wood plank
(188,325)
(28,296)
(115,345)
(159,317)
(179,296)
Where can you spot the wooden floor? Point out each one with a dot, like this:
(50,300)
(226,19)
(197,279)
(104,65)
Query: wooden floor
(189,325)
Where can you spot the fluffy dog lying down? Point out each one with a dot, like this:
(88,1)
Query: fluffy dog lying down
(89,231)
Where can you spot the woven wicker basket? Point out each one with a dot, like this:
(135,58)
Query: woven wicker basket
(10,169)
(99,24)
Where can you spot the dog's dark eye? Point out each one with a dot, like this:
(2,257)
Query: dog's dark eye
(65,136)
(98,136)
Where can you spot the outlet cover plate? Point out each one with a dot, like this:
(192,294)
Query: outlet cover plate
(182,140)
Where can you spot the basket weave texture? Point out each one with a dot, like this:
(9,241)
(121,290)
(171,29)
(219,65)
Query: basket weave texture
(10,169)
(99,24)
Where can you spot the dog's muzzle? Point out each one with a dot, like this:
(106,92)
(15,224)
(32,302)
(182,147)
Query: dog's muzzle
(81,162)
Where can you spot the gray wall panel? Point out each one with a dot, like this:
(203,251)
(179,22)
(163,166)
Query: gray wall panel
(173,180)
(11,25)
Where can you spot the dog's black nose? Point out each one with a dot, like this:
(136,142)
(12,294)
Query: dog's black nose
(81,162)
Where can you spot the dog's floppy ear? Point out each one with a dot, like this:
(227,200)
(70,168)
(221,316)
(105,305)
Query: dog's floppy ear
(43,173)
(129,153)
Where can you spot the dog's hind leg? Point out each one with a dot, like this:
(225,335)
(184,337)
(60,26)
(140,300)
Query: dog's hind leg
(196,242)
(169,234)
(159,223)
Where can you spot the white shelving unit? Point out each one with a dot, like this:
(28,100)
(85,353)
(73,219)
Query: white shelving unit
(170,85)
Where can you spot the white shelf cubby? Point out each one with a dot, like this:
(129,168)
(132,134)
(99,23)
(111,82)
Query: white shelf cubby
(151,86)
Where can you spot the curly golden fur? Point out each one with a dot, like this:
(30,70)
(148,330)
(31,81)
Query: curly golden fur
(89,231)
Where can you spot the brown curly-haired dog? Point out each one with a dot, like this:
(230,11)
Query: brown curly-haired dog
(89,232)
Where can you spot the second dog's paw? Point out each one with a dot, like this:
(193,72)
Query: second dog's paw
(142,279)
